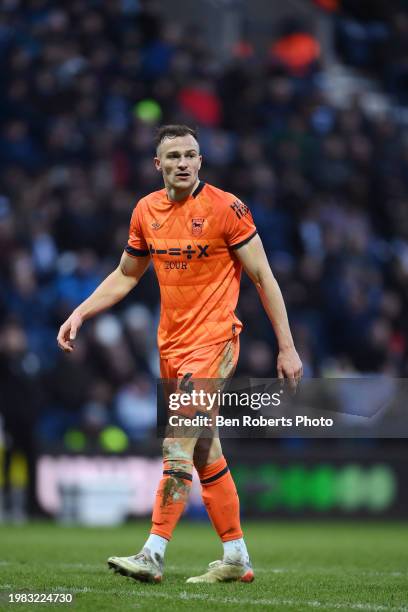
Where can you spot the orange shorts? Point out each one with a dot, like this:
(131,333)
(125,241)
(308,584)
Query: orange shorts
(215,361)
(206,369)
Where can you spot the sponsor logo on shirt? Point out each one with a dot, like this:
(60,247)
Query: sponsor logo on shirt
(200,252)
(240,209)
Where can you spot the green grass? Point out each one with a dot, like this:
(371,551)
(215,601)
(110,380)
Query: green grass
(298,567)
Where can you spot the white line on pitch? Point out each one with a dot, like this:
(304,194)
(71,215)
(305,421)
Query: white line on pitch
(282,602)
(290,603)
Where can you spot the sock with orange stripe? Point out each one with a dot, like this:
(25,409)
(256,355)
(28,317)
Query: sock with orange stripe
(221,500)
(171,497)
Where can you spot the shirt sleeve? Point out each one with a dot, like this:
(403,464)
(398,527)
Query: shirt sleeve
(136,246)
(239,225)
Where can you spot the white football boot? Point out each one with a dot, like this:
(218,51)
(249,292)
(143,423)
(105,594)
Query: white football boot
(140,567)
(225,571)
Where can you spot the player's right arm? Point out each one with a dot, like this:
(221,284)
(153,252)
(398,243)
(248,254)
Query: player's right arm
(113,289)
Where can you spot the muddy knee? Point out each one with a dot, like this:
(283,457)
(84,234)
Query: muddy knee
(178,458)
(177,470)
(178,449)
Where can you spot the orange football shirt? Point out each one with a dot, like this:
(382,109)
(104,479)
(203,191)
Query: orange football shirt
(191,244)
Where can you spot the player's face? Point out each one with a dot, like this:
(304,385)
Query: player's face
(179,160)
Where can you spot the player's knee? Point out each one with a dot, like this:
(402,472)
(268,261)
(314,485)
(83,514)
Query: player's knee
(207,451)
(174,448)
(178,463)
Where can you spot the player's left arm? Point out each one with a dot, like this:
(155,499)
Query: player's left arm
(256,265)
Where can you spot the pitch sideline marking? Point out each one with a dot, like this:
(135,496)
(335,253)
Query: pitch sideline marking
(281,602)
(367,607)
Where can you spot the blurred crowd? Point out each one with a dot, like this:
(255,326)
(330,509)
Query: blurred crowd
(83,87)
(372,35)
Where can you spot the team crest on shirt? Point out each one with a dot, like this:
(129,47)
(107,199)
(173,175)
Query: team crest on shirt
(197,225)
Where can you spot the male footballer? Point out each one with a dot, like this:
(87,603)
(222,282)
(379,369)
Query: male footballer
(198,238)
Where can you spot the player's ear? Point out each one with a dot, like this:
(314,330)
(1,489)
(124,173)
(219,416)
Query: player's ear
(201,161)
(157,163)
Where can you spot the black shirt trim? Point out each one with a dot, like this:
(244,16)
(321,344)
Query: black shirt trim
(136,252)
(198,189)
(240,244)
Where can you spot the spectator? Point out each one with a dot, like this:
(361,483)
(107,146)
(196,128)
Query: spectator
(327,186)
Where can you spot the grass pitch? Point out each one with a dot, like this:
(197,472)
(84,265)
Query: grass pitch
(298,567)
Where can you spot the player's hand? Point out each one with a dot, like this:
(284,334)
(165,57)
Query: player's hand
(68,332)
(289,366)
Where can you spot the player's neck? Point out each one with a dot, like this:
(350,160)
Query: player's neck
(177,195)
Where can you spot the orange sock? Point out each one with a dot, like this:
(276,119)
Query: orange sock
(221,499)
(171,496)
